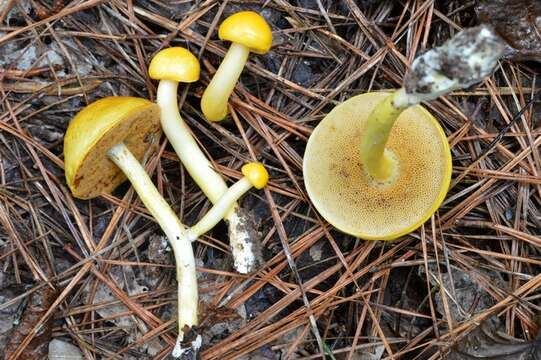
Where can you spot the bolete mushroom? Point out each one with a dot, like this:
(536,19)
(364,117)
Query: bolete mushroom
(171,66)
(400,173)
(247,31)
(104,144)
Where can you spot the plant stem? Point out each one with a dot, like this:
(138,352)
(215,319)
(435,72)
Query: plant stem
(171,226)
(378,163)
(216,95)
(200,169)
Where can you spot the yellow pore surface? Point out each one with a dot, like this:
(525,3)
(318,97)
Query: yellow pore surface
(175,64)
(249,29)
(347,198)
(96,129)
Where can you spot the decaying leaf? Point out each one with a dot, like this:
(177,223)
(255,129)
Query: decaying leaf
(463,290)
(39,303)
(9,315)
(123,275)
(485,342)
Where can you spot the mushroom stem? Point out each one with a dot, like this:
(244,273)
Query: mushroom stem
(216,95)
(178,134)
(171,226)
(466,58)
(220,208)
(200,169)
(378,162)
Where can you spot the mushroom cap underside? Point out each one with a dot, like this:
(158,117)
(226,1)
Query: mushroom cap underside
(344,194)
(175,64)
(249,29)
(97,128)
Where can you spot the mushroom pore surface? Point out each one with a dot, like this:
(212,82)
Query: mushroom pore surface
(89,172)
(344,194)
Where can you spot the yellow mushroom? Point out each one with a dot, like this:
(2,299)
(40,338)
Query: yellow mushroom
(392,188)
(399,175)
(175,64)
(95,130)
(171,66)
(255,175)
(103,145)
(247,31)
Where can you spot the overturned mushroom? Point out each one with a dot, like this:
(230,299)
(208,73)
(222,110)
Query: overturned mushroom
(104,144)
(247,31)
(399,175)
(171,66)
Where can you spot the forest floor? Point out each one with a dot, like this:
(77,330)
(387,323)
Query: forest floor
(467,284)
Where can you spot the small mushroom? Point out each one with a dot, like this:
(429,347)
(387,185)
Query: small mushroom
(171,66)
(399,174)
(104,144)
(247,31)
(255,175)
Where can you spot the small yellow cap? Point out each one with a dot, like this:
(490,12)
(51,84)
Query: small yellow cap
(256,173)
(175,64)
(249,29)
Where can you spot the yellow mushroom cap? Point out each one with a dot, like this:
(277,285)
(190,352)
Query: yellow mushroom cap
(175,64)
(347,198)
(97,128)
(256,173)
(249,29)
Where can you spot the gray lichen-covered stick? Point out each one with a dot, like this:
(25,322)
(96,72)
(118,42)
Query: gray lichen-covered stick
(172,66)
(465,59)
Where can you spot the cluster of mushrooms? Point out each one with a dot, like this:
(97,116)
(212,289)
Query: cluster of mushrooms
(386,187)
(107,140)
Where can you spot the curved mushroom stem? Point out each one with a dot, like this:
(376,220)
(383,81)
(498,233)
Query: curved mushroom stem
(216,95)
(241,234)
(377,162)
(220,209)
(466,58)
(189,153)
(173,229)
